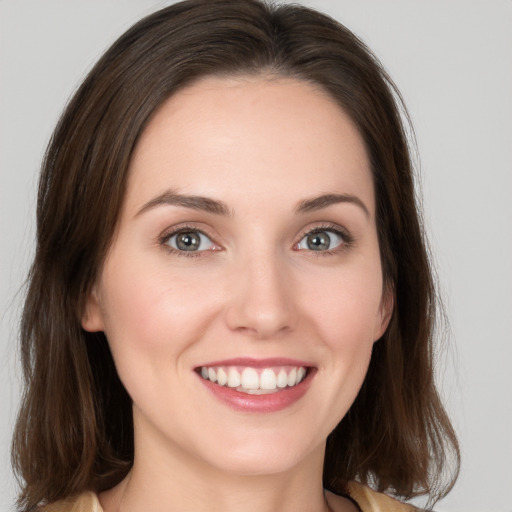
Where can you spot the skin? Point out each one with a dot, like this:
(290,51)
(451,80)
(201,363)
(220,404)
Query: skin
(261,145)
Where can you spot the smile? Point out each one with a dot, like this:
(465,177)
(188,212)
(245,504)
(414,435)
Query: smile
(257,385)
(256,381)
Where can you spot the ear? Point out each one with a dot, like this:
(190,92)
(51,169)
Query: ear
(386,308)
(92,317)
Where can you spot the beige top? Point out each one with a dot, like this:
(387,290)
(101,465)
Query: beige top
(367,499)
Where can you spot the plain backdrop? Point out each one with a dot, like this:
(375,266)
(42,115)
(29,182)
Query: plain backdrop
(452,61)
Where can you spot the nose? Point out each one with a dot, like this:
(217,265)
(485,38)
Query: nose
(261,298)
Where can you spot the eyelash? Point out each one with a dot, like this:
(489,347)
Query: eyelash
(347,240)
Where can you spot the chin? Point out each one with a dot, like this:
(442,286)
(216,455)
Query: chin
(263,453)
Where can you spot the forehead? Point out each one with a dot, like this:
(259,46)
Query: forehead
(229,136)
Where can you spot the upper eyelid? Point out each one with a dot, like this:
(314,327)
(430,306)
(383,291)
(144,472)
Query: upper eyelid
(325,227)
(180,228)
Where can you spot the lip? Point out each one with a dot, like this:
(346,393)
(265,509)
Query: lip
(265,403)
(258,363)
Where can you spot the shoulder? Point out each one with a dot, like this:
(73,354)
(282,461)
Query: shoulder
(372,501)
(369,500)
(85,502)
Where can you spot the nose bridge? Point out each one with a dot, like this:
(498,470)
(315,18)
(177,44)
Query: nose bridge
(262,303)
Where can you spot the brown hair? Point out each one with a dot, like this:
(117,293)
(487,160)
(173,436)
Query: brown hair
(74,430)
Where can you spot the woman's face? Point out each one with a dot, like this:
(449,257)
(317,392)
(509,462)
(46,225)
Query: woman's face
(246,254)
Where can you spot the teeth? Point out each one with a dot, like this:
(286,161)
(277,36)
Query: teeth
(282,379)
(233,378)
(292,377)
(250,379)
(255,381)
(268,379)
(222,377)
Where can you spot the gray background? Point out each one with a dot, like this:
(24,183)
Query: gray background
(452,61)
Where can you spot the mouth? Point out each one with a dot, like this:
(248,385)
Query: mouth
(255,381)
(257,385)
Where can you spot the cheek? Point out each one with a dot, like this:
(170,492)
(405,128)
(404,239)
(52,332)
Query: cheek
(347,306)
(152,318)
(346,314)
(149,310)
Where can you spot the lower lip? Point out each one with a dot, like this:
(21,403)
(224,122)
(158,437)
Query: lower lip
(271,402)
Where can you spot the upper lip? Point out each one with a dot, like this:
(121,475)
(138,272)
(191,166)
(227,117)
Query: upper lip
(258,363)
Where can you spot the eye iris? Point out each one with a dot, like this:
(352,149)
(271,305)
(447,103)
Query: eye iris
(319,241)
(188,241)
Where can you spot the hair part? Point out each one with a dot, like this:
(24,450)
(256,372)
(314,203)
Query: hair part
(74,431)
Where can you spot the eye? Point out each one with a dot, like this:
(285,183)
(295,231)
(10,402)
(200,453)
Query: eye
(321,240)
(190,241)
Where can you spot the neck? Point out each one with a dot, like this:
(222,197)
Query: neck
(170,480)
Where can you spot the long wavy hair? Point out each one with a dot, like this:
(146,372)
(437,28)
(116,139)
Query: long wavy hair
(74,430)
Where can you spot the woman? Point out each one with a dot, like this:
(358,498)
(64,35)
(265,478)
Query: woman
(231,304)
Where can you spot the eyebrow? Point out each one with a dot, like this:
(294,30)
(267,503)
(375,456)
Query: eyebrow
(173,198)
(325,200)
(206,204)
